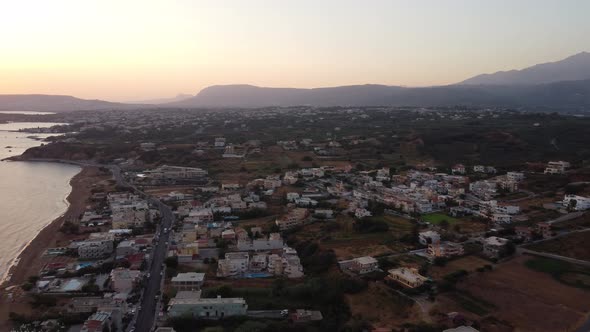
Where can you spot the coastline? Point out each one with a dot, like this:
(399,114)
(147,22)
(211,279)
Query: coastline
(48,235)
(31,259)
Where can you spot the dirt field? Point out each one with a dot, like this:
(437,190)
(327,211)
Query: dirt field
(382,307)
(526,299)
(467,263)
(575,245)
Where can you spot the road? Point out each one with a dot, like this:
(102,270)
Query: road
(144,321)
(566,217)
(149,304)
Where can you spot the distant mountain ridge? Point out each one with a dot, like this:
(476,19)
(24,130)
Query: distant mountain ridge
(561,84)
(54,103)
(559,94)
(179,97)
(573,68)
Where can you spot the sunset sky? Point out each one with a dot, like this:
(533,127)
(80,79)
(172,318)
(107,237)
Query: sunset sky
(134,50)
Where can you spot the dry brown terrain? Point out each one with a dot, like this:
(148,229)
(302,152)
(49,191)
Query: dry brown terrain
(526,299)
(575,245)
(467,263)
(382,307)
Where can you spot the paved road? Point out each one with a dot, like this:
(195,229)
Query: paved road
(149,304)
(565,217)
(147,314)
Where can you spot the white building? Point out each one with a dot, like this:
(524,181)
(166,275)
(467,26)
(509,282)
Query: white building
(274,241)
(556,167)
(578,203)
(94,249)
(234,264)
(515,176)
(189,281)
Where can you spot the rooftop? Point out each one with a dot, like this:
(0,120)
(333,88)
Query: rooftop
(189,277)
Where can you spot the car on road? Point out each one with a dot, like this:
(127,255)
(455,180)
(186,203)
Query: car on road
(285,312)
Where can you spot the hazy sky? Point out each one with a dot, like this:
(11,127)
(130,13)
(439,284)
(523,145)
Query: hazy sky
(133,50)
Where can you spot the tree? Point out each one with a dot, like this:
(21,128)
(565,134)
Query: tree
(171,262)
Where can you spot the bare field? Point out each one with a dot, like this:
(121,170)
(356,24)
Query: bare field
(575,245)
(521,296)
(467,263)
(382,307)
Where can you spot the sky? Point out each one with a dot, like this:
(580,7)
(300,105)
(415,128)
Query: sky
(131,50)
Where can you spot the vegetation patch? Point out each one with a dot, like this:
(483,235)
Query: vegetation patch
(439,218)
(563,272)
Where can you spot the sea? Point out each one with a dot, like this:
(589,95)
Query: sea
(32,194)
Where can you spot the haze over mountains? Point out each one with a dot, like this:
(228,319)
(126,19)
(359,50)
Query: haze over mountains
(53,103)
(561,84)
(575,67)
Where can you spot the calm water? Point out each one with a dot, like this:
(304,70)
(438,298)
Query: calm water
(25,112)
(31,194)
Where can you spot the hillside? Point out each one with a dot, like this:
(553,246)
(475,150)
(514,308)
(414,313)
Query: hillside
(54,103)
(569,94)
(573,68)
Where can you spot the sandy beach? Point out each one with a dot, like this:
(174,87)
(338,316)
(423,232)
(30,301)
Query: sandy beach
(31,260)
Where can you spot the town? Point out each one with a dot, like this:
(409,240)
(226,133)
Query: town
(284,219)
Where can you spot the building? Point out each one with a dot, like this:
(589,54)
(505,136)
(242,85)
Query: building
(494,246)
(501,218)
(458,169)
(462,329)
(87,305)
(361,213)
(176,173)
(577,203)
(479,168)
(515,176)
(234,264)
(189,281)
(324,213)
(215,308)
(126,248)
(407,277)
(556,167)
(544,228)
(273,242)
(95,249)
(428,237)
(296,217)
(200,215)
(100,321)
(360,265)
(523,232)
(444,249)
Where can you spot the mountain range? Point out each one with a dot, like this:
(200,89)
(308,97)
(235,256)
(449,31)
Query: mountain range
(561,84)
